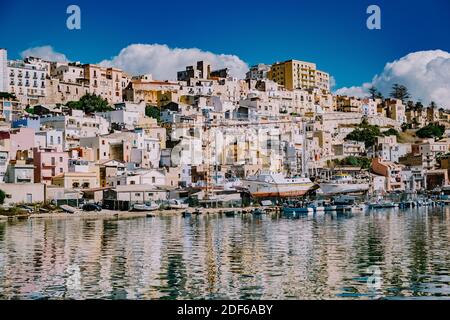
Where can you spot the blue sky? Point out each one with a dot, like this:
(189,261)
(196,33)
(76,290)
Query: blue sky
(331,33)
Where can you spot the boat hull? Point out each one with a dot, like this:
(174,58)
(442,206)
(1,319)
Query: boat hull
(339,188)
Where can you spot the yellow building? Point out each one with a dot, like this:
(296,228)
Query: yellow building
(295,74)
(76,180)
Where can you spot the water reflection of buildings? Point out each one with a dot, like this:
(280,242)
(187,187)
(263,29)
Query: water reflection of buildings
(218,257)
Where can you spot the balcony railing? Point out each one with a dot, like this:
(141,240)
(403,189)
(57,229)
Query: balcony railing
(48,165)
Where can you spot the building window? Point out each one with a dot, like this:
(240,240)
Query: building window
(137,194)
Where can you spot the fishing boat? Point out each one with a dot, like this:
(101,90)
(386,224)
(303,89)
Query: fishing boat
(343,183)
(277,185)
(177,204)
(145,207)
(297,210)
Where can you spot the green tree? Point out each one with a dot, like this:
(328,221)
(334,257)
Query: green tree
(7,95)
(90,103)
(400,92)
(365,133)
(391,132)
(353,161)
(153,112)
(2,196)
(431,131)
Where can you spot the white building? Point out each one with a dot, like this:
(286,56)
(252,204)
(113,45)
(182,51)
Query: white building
(3,70)
(26,79)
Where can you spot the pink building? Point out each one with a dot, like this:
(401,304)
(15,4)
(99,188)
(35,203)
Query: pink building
(49,162)
(22,139)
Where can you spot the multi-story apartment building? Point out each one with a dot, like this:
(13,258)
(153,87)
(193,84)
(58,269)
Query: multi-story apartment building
(27,79)
(48,163)
(396,110)
(106,82)
(295,74)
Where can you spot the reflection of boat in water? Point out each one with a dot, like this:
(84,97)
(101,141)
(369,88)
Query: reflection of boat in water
(177,204)
(258,212)
(230,213)
(186,214)
(145,207)
(343,183)
(267,185)
(382,205)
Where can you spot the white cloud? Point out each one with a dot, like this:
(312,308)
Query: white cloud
(164,62)
(44,52)
(426,74)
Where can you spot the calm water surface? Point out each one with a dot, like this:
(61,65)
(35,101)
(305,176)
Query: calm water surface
(245,257)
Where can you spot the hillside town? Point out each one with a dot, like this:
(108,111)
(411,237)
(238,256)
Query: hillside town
(73,133)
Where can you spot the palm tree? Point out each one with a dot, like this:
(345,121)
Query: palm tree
(433,105)
(418,106)
(410,105)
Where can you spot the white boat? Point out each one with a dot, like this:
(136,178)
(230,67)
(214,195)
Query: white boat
(177,204)
(67,208)
(145,207)
(343,183)
(267,185)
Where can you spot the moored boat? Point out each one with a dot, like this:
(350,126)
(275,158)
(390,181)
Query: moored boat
(177,204)
(145,207)
(343,183)
(277,185)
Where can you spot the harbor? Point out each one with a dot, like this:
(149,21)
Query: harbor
(228,255)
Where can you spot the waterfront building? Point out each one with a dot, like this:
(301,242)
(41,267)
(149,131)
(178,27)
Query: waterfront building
(17,193)
(392,173)
(76,180)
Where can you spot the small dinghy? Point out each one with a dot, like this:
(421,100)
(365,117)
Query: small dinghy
(67,208)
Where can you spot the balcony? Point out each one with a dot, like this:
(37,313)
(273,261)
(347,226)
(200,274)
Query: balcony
(48,165)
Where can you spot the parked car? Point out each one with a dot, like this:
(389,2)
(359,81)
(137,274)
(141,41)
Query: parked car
(91,207)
